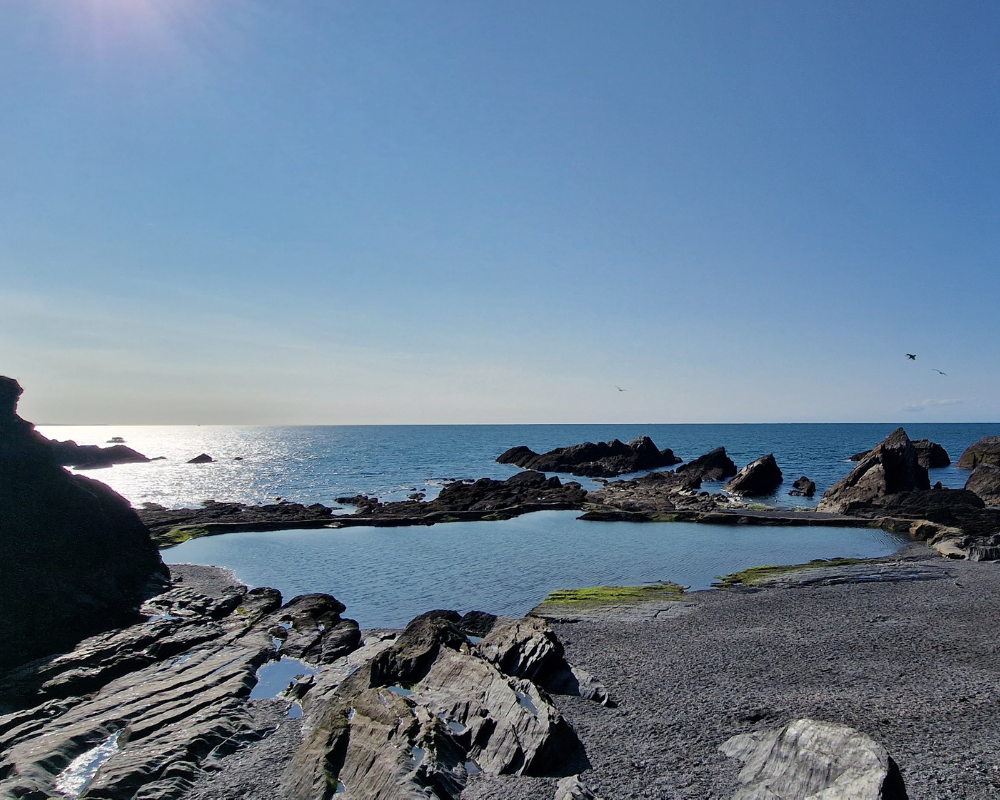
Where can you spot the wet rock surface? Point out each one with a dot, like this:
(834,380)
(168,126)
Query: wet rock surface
(216,517)
(930,455)
(809,758)
(889,469)
(74,557)
(759,478)
(594,460)
(655,493)
(715,465)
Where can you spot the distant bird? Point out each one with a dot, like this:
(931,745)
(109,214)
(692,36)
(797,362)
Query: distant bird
(939,372)
(911,356)
(620,389)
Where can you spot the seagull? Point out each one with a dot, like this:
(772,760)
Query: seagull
(620,389)
(939,372)
(911,356)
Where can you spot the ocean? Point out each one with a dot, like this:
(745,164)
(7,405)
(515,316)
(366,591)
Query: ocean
(387,576)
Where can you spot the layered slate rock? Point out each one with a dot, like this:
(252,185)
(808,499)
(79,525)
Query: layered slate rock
(985,451)
(758,478)
(415,716)
(888,470)
(930,454)
(985,483)
(74,557)
(812,759)
(803,487)
(216,517)
(90,456)
(164,698)
(600,460)
(715,465)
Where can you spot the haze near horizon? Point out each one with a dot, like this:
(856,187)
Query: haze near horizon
(319,212)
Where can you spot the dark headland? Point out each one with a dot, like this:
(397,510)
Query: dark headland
(872,679)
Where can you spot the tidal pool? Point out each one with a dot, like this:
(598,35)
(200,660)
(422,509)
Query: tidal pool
(386,576)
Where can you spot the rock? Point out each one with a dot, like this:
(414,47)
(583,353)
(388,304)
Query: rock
(756,479)
(601,460)
(215,517)
(573,788)
(713,466)
(811,759)
(74,557)
(656,493)
(165,698)
(985,451)
(930,454)
(413,718)
(985,482)
(476,623)
(204,458)
(889,469)
(90,456)
(803,487)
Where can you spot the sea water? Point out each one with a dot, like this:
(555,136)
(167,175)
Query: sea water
(388,575)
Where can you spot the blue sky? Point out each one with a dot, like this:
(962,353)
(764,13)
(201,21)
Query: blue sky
(218,211)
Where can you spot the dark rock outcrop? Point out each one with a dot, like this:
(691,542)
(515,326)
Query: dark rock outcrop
(889,469)
(803,487)
(713,466)
(985,451)
(757,479)
(600,460)
(985,482)
(655,493)
(415,716)
(204,458)
(90,456)
(218,517)
(930,454)
(807,758)
(74,557)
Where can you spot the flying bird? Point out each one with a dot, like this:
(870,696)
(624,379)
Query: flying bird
(939,372)
(620,389)
(911,356)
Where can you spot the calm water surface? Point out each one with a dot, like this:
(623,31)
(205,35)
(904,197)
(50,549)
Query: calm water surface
(388,575)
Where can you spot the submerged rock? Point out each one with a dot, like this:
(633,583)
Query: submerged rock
(812,759)
(600,460)
(757,479)
(713,466)
(889,469)
(985,451)
(74,557)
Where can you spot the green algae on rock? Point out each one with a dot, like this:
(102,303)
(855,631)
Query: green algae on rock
(662,590)
(756,575)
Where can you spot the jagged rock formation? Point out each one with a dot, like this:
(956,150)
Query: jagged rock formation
(74,557)
(985,451)
(161,703)
(889,469)
(811,759)
(985,482)
(930,454)
(713,466)
(90,456)
(415,716)
(803,487)
(758,478)
(219,517)
(600,460)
